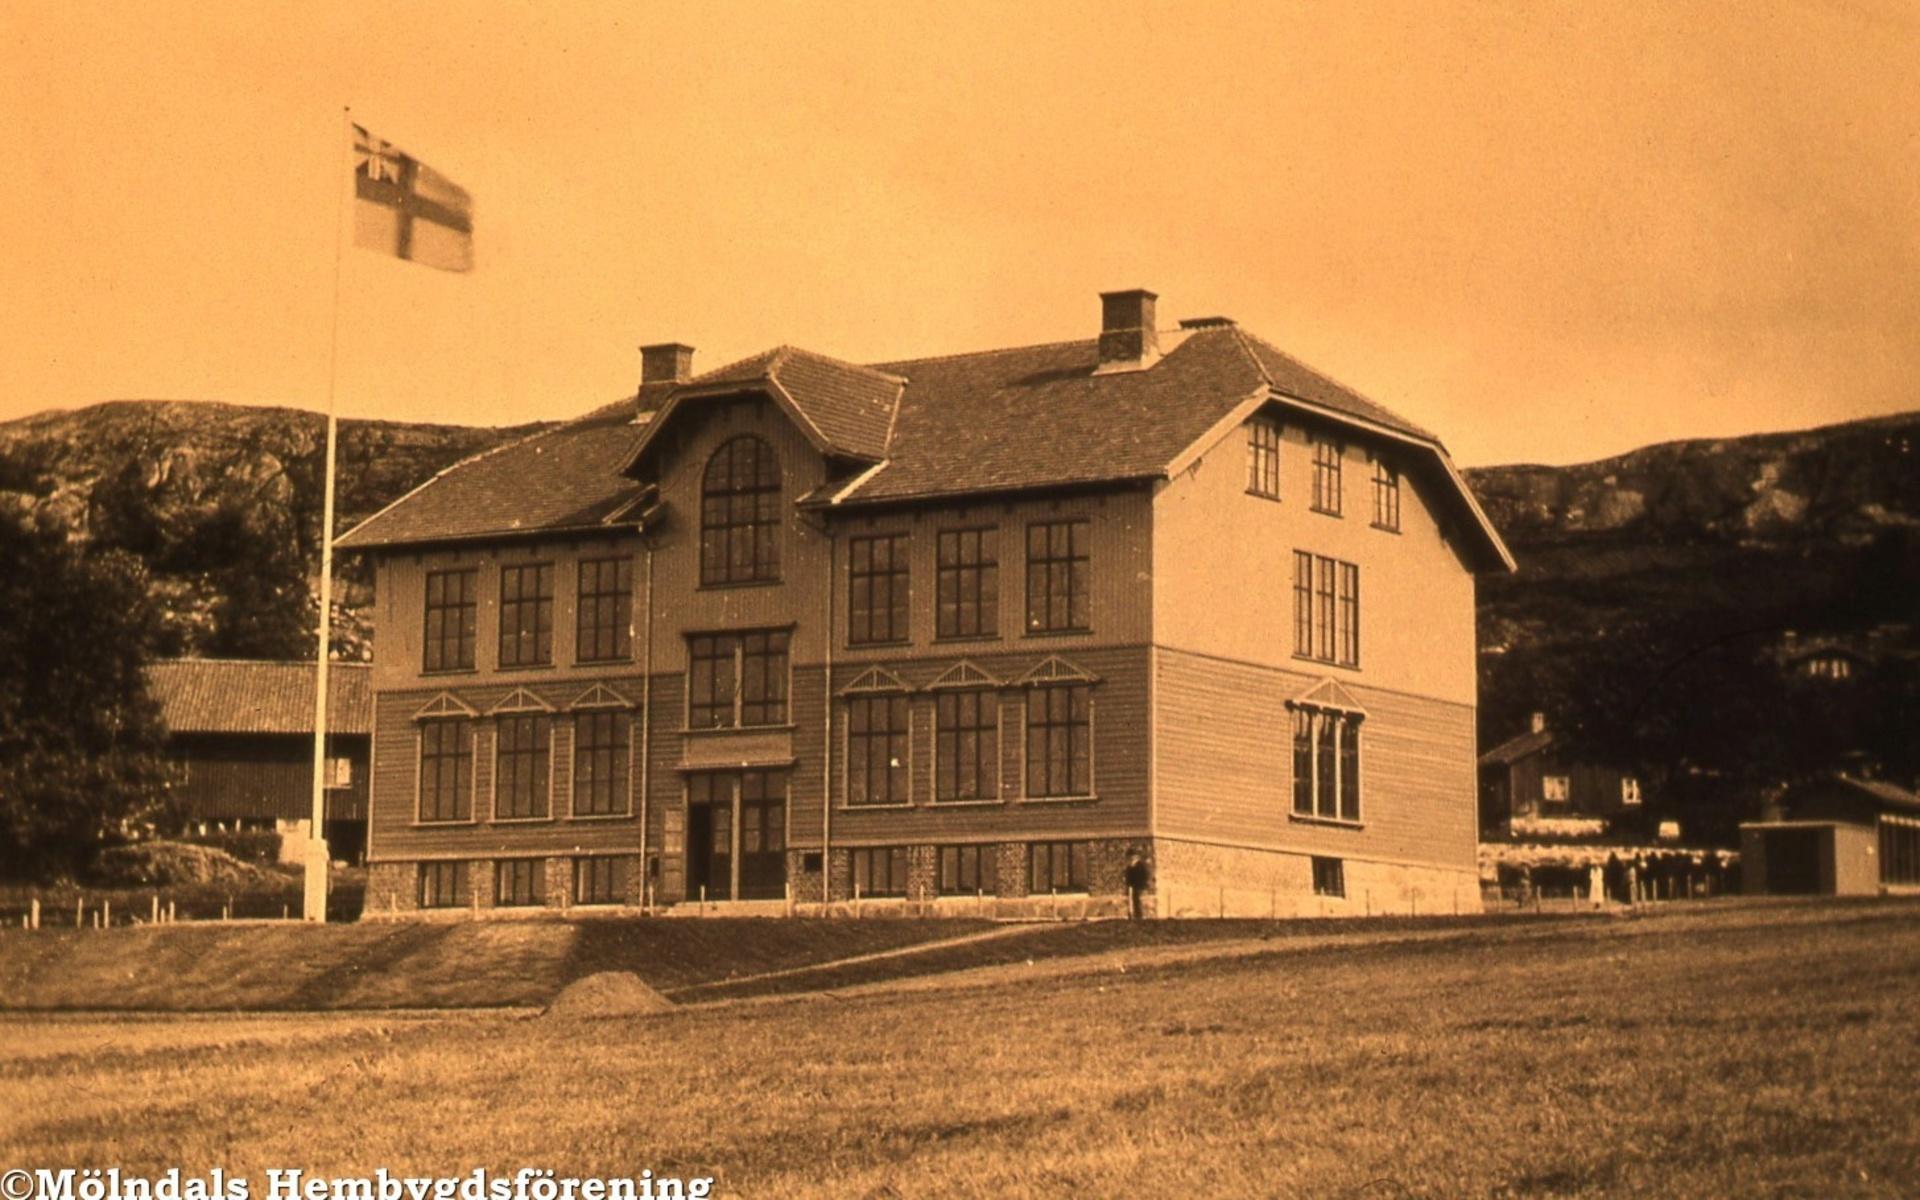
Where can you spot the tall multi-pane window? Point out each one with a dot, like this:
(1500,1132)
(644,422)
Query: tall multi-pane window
(877,588)
(1326,476)
(880,870)
(1060,741)
(452,601)
(1057,867)
(1326,764)
(519,882)
(1326,609)
(736,679)
(967,587)
(740,514)
(1386,495)
(1303,762)
(877,750)
(443,884)
(600,763)
(521,765)
(1058,572)
(1263,458)
(446,770)
(526,615)
(605,621)
(966,745)
(965,870)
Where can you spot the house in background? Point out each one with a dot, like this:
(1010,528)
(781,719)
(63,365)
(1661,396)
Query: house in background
(955,633)
(1528,784)
(1837,835)
(241,734)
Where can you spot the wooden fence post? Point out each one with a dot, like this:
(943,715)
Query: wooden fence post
(33,912)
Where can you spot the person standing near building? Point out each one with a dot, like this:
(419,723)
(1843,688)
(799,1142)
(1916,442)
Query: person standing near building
(1139,878)
(1596,885)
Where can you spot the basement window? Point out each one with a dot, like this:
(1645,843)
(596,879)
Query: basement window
(1329,877)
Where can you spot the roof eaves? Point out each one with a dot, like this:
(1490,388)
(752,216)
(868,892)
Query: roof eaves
(341,542)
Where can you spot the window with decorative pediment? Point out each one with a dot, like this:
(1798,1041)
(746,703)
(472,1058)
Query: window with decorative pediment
(1326,763)
(740,514)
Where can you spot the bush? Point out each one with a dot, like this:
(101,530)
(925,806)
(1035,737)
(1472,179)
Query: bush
(161,864)
(261,847)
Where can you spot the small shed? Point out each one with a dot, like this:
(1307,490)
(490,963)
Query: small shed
(240,733)
(1836,835)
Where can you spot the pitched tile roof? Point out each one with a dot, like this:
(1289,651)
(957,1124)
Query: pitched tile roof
(844,408)
(965,424)
(225,695)
(567,477)
(1514,749)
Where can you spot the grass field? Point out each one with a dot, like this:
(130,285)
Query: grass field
(1712,1050)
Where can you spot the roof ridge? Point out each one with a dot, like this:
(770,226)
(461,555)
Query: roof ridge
(725,367)
(934,358)
(870,369)
(1412,427)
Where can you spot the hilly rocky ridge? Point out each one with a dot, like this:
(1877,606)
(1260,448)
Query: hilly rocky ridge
(1815,529)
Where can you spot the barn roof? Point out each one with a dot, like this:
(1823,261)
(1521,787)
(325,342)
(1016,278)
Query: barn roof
(227,695)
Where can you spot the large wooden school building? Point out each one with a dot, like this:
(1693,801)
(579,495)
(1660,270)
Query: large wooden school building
(962,632)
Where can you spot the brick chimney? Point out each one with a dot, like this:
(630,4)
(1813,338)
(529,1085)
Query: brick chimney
(667,362)
(1127,337)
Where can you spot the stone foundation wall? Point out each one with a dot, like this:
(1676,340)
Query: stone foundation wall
(1194,879)
(392,888)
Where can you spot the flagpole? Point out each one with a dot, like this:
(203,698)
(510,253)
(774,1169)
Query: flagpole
(315,906)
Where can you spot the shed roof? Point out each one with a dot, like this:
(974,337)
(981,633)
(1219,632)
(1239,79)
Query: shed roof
(226,695)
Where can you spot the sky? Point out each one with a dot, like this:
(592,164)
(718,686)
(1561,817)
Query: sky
(1549,232)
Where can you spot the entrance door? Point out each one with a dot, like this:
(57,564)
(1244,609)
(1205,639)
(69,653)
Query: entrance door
(1793,861)
(763,835)
(710,837)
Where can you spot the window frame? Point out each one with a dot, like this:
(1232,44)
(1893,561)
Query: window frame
(870,623)
(951,732)
(587,869)
(1078,857)
(525,636)
(617,756)
(896,863)
(537,804)
(434,636)
(862,739)
(950,869)
(603,613)
(743,649)
(1059,578)
(506,882)
(1328,743)
(1386,495)
(1045,729)
(443,883)
(1263,458)
(1329,876)
(954,571)
(432,759)
(1328,491)
(731,511)
(1326,610)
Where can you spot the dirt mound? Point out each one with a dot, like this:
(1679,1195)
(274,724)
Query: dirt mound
(160,864)
(607,994)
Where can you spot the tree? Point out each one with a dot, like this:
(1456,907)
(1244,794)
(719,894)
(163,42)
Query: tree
(82,748)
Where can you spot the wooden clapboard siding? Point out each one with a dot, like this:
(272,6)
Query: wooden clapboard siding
(1224,765)
(258,776)
(1119,598)
(395,833)
(1119,808)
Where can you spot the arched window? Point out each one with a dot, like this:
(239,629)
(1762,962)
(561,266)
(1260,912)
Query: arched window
(740,513)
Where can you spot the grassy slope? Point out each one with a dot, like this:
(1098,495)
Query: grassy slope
(409,965)
(1733,1051)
